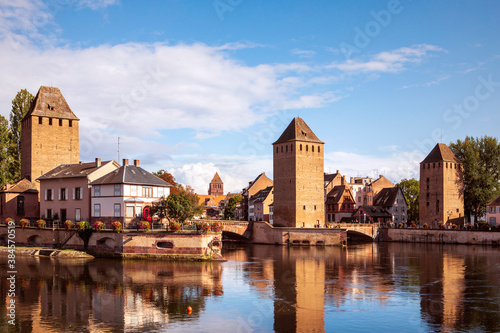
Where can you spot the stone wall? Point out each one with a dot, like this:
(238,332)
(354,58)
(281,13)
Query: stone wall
(264,233)
(112,243)
(439,236)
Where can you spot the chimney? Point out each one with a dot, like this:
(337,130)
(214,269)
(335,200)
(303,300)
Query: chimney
(343,181)
(125,161)
(136,163)
(337,171)
(97,162)
(352,180)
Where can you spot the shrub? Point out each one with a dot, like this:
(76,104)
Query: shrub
(144,225)
(68,224)
(40,224)
(174,226)
(24,223)
(117,226)
(98,226)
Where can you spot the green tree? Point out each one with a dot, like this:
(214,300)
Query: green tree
(4,151)
(20,107)
(481,172)
(411,190)
(231,204)
(179,207)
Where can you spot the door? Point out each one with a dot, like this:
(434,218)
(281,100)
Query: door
(63,215)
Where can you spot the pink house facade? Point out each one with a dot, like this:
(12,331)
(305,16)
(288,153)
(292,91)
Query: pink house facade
(493,212)
(126,195)
(65,190)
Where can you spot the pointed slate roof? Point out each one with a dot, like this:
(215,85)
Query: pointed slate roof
(130,174)
(49,102)
(216,179)
(298,131)
(441,152)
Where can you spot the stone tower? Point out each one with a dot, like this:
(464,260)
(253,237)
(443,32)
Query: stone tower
(49,135)
(441,187)
(298,177)
(216,186)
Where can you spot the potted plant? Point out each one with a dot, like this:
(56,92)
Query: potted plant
(98,226)
(40,224)
(144,225)
(426,226)
(204,227)
(9,221)
(24,223)
(117,226)
(216,227)
(68,224)
(81,225)
(175,226)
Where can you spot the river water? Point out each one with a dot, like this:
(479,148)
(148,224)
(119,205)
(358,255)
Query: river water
(386,287)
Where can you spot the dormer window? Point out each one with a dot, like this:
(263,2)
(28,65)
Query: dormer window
(51,107)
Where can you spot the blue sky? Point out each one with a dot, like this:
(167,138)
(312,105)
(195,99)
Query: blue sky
(199,86)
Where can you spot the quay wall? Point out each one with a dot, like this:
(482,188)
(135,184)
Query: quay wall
(438,236)
(264,233)
(123,244)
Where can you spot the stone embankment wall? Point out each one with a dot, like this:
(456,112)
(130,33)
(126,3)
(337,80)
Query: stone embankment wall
(264,233)
(125,244)
(439,236)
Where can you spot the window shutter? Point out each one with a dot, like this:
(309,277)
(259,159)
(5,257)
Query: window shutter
(74,192)
(45,194)
(59,194)
(66,194)
(52,195)
(81,193)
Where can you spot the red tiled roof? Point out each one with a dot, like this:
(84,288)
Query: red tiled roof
(21,186)
(298,131)
(441,152)
(216,179)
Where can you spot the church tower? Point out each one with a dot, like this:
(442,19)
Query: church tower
(441,187)
(49,135)
(216,186)
(298,160)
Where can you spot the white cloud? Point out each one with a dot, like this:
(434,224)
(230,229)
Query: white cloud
(389,61)
(429,83)
(303,53)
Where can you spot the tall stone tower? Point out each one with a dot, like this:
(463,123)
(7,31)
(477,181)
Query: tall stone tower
(298,177)
(216,186)
(49,135)
(441,187)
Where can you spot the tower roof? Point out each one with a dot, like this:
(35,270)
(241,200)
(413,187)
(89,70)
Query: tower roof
(298,131)
(216,179)
(49,102)
(441,152)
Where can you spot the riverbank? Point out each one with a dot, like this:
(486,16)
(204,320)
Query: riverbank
(465,237)
(46,252)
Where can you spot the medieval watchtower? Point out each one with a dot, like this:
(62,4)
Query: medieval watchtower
(298,177)
(216,186)
(49,135)
(441,187)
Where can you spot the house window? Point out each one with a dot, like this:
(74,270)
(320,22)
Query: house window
(77,193)
(133,190)
(40,120)
(49,214)
(78,215)
(312,147)
(314,207)
(276,149)
(63,194)
(437,206)
(286,148)
(97,190)
(301,147)
(147,191)
(304,207)
(307,148)
(130,211)
(118,190)
(319,149)
(49,194)
(97,210)
(160,192)
(50,121)
(118,210)
(71,123)
(20,205)
(60,122)
(281,148)
(291,147)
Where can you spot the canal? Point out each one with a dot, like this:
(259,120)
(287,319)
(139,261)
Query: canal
(386,287)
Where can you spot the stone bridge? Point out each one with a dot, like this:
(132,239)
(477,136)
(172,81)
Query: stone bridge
(359,231)
(237,230)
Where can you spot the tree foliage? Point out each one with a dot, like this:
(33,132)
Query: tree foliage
(411,190)
(481,166)
(20,107)
(230,206)
(4,151)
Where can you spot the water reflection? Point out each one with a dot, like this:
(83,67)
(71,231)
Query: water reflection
(369,287)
